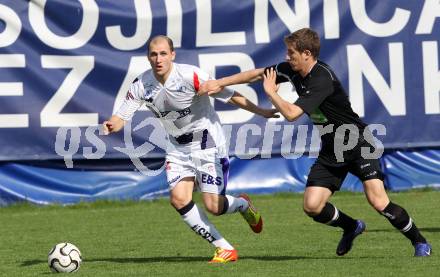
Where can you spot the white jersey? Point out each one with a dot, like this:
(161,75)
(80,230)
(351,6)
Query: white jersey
(190,120)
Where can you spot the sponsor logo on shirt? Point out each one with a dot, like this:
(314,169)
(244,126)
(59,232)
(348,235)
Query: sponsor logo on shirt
(180,114)
(148,90)
(183,89)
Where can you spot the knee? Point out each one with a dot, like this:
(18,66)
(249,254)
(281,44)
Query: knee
(178,202)
(213,208)
(376,194)
(379,203)
(379,206)
(374,206)
(312,208)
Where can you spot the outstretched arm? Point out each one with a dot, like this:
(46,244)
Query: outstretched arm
(240,101)
(243,77)
(288,110)
(214,86)
(112,125)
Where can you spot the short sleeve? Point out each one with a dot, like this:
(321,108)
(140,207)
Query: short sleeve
(132,101)
(284,72)
(318,90)
(224,95)
(201,76)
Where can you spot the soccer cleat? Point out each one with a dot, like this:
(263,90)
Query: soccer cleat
(348,237)
(224,256)
(252,216)
(422,250)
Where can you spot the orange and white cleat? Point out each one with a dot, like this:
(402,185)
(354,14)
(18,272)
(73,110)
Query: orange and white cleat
(224,256)
(252,216)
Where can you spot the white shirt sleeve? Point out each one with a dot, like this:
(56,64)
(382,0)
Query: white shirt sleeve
(224,95)
(201,76)
(132,102)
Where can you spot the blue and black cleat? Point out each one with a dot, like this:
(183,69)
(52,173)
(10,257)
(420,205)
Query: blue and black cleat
(348,237)
(422,249)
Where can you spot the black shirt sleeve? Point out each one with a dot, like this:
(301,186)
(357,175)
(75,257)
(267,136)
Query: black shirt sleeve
(319,88)
(284,72)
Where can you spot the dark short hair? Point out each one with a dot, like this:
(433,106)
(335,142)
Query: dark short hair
(170,42)
(305,39)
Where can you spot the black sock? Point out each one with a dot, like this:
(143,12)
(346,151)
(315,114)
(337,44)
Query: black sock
(187,208)
(330,215)
(400,219)
(225,205)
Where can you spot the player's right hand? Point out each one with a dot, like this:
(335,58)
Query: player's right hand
(107,127)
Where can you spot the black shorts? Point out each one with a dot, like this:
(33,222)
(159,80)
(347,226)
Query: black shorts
(331,177)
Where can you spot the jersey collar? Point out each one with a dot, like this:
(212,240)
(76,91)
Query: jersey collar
(171,76)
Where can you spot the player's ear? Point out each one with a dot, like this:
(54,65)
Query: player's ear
(173,55)
(308,53)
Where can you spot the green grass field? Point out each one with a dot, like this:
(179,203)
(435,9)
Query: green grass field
(149,239)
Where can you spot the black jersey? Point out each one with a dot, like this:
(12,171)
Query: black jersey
(323,99)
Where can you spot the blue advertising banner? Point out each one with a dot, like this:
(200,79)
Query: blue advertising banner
(404,170)
(65,67)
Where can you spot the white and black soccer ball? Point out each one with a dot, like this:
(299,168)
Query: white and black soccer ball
(64,257)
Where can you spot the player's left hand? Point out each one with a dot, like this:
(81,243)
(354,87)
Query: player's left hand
(270,113)
(269,83)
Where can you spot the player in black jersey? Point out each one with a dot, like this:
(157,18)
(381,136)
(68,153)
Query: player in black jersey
(323,99)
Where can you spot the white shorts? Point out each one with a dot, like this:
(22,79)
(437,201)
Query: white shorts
(210,167)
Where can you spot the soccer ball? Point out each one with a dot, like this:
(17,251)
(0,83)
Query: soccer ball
(64,257)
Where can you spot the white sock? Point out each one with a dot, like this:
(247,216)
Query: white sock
(236,204)
(222,243)
(200,224)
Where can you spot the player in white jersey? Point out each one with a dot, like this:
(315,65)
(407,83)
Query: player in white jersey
(196,152)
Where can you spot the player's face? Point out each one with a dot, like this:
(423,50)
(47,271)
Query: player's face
(299,61)
(161,58)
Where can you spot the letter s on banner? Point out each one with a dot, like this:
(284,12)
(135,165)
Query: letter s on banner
(12,28)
